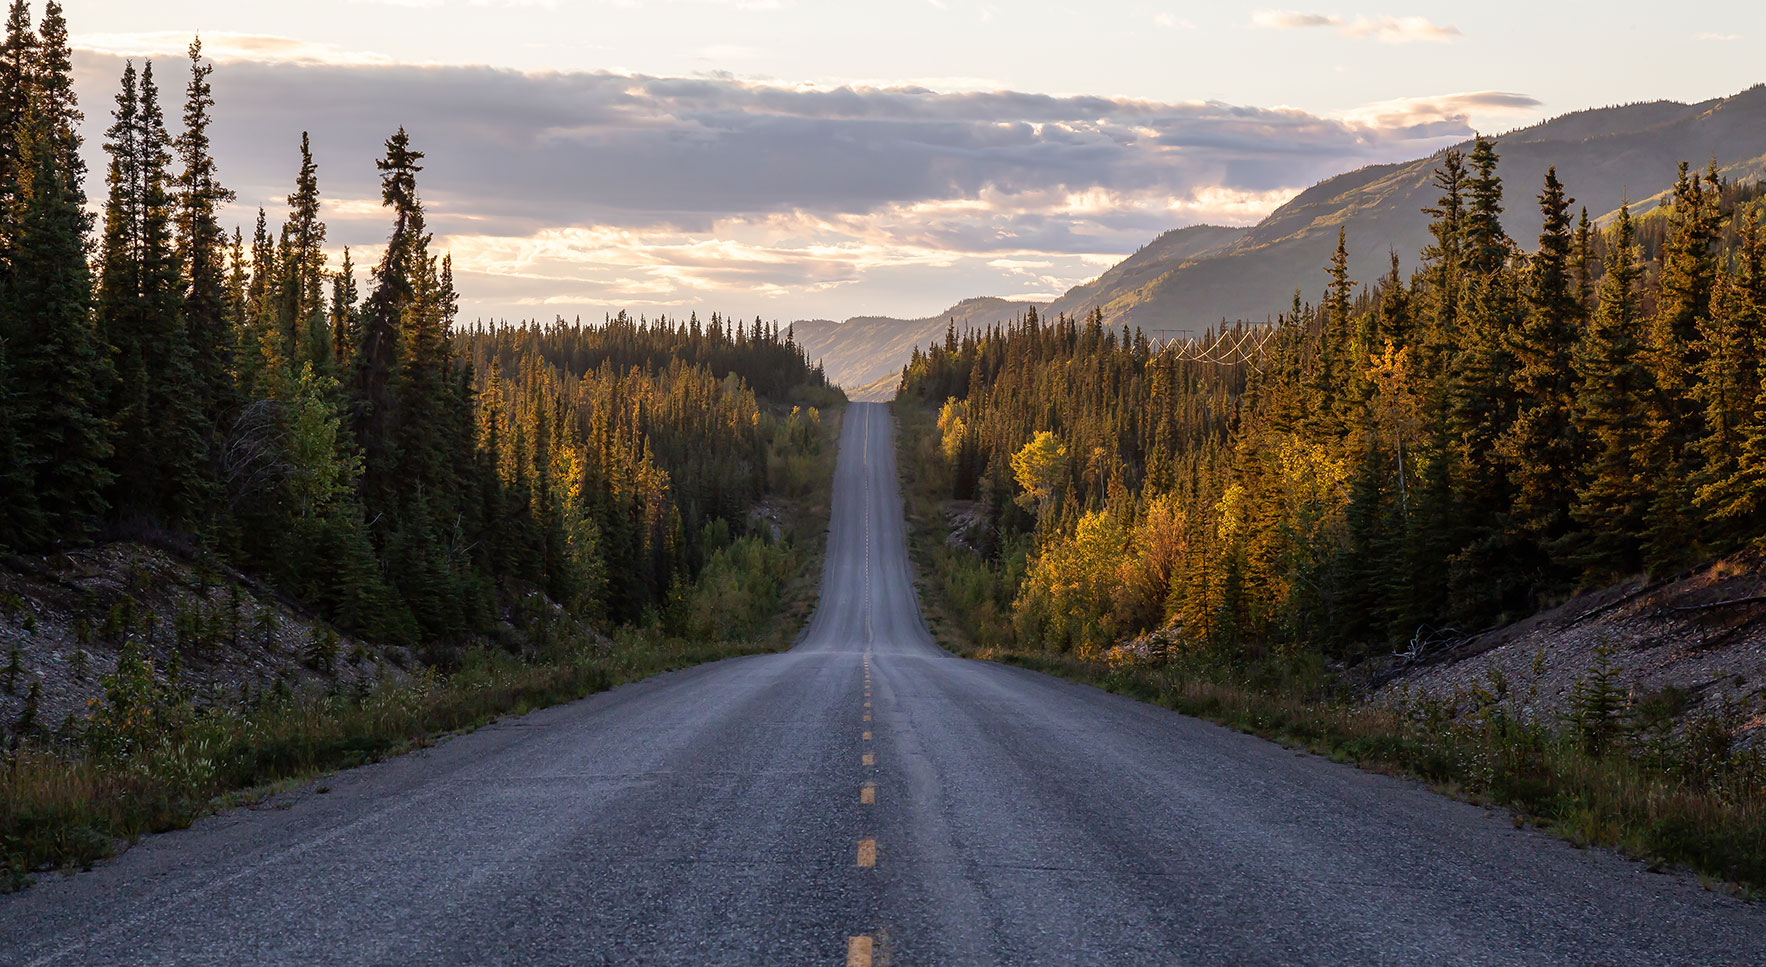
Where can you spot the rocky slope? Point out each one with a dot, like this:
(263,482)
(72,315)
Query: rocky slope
(1694,643)
(65,619)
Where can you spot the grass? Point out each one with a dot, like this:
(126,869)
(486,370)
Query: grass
(153,761)
(1670,796)
(1658,808)
(65,810)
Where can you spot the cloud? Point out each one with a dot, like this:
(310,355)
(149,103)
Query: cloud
(1386,30)
(227,48)
(1170,21)
(1449,111)
(1715,36)
(810,199)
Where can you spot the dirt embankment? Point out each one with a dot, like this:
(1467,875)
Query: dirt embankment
(1692,644)
(66,618)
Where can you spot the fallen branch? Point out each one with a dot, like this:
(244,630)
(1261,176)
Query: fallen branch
(1750,599)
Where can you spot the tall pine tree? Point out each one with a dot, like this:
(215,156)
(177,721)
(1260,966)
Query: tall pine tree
(202,248)
(1667,455)
(1541,445)
(1614,378)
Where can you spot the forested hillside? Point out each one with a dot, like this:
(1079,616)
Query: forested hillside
(396,471)
(1452,448)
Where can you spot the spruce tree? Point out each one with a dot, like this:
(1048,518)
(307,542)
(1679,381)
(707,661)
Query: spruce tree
(304,267)
(22,523)
(1334,354)
(1732,480)
(53,79)
(1582,265)
(1675,420)
(160,450)
(1486,246)
(271,347)
(202,248)
(1541,446)
(380,351)
(1433,528)
(18,60)
(344,298)
(59,370)
(1613,379)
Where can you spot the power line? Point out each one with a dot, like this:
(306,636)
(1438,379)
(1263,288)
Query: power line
(1246,349)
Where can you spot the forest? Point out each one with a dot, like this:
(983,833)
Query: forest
(260,520)
(1402,464)
(166,380)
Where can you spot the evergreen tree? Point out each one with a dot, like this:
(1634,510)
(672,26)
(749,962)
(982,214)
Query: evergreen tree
(18,59)
(1610,363)
(1480,399)
(1732,480)
(380,350)
(58,368)
(304,268)
(202,248)
(22,522)
(272,349)
(1541,445)
(1667,454)
(1486,246)
(53,82)
(159,442)
(344,298)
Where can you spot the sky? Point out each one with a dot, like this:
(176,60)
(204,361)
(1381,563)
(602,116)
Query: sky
(798,159)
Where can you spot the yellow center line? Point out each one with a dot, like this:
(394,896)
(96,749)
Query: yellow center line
(867,716)
(858,952)
(869,759)
(867,705)
(867,795)
(867,852)
(867,736)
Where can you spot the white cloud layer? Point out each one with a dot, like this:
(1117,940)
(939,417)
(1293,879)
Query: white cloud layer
(596,190)
(1385,29)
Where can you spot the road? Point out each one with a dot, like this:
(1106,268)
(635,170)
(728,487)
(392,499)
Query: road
(867,798)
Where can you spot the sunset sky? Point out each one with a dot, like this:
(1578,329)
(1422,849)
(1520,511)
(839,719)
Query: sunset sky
(801,160)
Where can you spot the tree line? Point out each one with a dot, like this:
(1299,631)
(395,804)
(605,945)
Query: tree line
(163,378)
(1424,456)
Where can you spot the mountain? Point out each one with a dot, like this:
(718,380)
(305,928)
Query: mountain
(1603,156)
(1192,278)
(862,350)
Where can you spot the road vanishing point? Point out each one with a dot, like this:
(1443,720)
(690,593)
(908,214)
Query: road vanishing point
(867,798)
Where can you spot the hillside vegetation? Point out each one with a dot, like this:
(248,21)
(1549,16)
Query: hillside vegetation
(1262,526)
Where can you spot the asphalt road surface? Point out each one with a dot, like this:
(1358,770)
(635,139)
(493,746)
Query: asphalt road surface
(867,798)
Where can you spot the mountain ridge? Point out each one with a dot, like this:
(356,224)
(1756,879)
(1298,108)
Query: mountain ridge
(1191,278)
